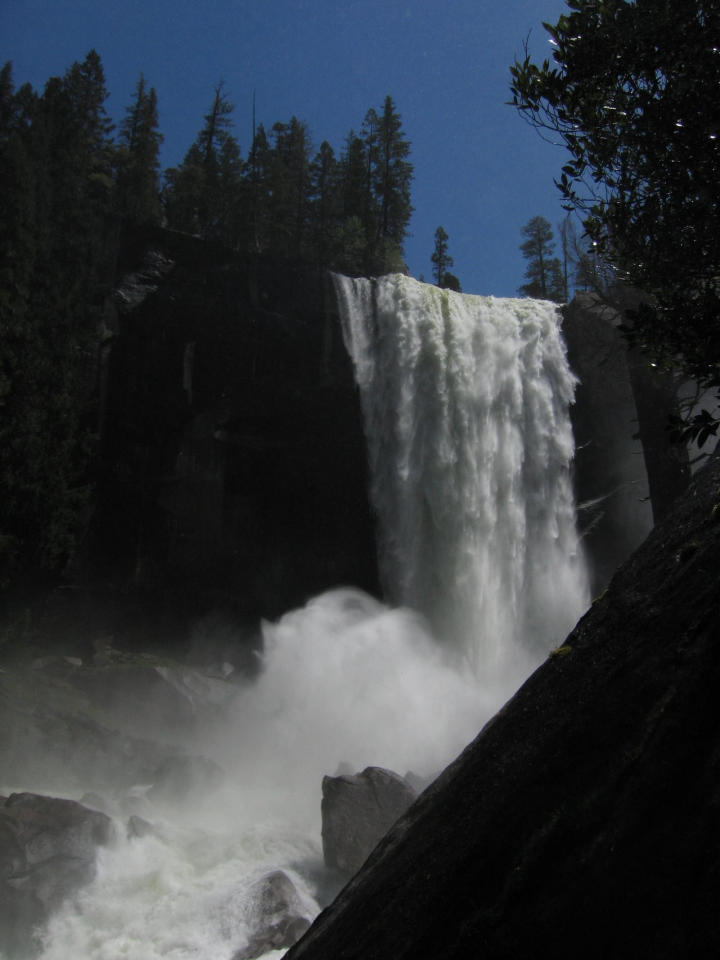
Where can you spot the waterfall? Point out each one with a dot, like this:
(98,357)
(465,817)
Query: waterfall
(465,401)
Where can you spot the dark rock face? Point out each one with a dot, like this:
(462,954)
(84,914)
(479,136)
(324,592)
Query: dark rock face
(278,919)
(356,811)
(584,819)
(234,466)
(610,477)
(627,471)
(47,852)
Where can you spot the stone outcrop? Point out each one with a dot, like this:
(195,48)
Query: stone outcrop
(47,852)
(626,468)
(278,918)
(234,465)
(357,810)
(584,818)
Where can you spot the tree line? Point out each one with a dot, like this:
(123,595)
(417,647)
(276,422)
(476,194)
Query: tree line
(72,183)
(347,212)
(557,276)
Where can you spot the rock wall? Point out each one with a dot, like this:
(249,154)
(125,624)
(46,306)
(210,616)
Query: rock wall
(234,465)
(627,471)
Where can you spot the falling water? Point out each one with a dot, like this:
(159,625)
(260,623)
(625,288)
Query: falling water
(465,401)
(466,408)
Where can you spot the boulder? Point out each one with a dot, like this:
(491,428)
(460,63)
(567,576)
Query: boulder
(357,810)
(276,914)
(47,852)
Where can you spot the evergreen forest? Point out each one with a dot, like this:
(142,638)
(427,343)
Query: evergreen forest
(75,187)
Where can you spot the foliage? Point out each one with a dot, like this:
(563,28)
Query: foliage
(137,160)
(543,272)
(441,261)
(55,250)
(201,196)
(440,257)
(69,190)
(349,213)
(390,177)
(633,95)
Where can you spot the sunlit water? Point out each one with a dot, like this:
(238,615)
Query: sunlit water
(465,402)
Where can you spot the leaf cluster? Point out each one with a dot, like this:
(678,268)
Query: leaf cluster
(632,94)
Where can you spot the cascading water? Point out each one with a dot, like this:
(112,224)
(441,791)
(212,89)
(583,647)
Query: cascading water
(465,401)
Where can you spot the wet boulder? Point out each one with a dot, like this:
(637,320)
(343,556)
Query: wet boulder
(47,852)
(276,916)
(357,810)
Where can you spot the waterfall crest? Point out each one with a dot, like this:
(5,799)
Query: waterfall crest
(465,401)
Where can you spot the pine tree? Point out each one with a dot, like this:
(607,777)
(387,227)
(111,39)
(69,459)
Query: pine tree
(543,272)
(138,158)
(204,194)
(325,205)
(441,259)
(290,188)
(58,151)
(391,176)
(258,183)
(357,216)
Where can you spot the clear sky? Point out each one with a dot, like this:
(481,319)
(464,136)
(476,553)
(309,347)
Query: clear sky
(480,171)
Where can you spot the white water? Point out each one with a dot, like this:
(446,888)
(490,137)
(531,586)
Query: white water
(465,400)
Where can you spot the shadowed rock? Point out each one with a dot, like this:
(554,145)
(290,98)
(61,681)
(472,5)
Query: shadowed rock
(356,811)
(47,852)
(277,916)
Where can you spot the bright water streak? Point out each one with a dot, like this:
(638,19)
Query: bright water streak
(465,401)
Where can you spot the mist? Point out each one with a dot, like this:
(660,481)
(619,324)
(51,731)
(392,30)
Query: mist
(343,683)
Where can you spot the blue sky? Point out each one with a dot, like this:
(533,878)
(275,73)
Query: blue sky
(480,171)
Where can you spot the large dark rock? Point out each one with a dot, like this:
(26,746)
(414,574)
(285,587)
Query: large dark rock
(356,811)
(275,914)
(234,465)
(584,820)
(47,852)
(627,471)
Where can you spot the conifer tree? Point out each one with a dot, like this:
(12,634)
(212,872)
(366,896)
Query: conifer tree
(138,158)
(441,260)
(258,182)
(203,195)
(326,213)
(391,178)
(356,226)
(290,187)
(57,148)
(543,272)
